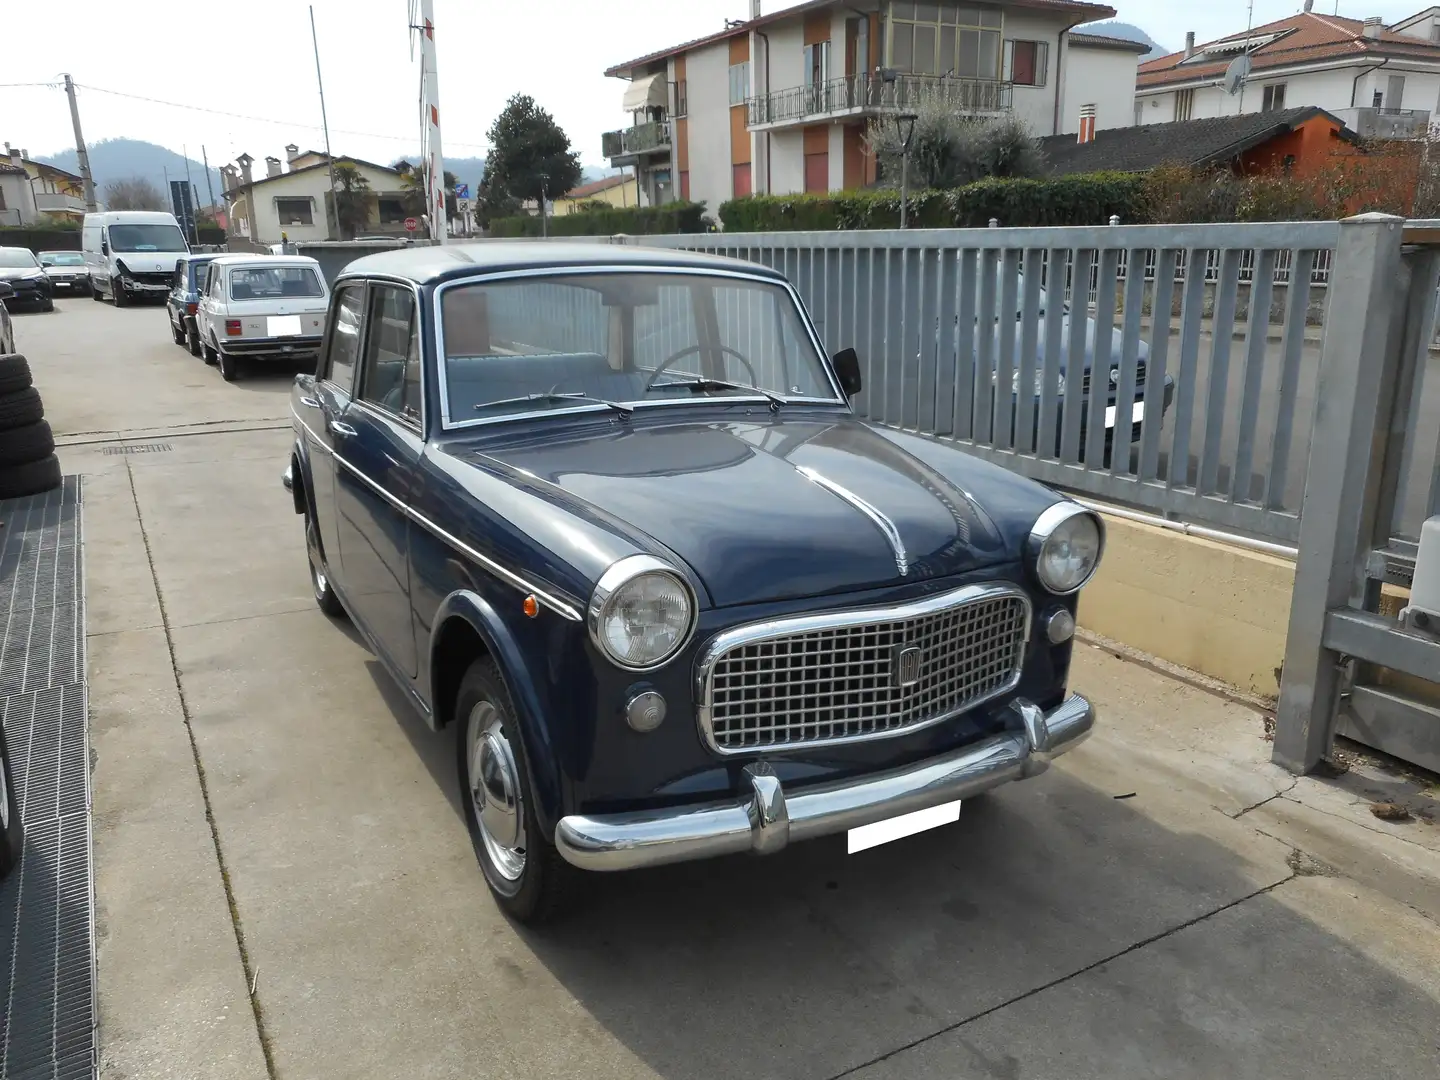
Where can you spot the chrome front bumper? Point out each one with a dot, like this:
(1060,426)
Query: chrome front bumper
(765,820)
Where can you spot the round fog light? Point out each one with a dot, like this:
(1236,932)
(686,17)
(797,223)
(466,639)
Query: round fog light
(1060,627)
(646,711)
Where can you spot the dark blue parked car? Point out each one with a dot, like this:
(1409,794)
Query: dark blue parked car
(607,513)
(183,300)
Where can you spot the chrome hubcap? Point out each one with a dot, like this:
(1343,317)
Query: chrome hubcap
(317,566)
(4,803)
(494,783)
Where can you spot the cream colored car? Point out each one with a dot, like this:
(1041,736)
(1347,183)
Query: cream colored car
(261,307)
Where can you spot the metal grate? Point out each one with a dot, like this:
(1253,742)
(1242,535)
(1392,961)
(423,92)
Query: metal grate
(865,678)
(139,448)
(47,974)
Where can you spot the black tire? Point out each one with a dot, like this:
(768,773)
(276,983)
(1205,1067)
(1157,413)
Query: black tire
(48,304)
(117,293)
(12,834)
(229,365)
(192,338)
(22,445)
(95,293)
(177,336)
(21,408)
(546,885)
(325,596)
(14,373)
(208,352)
(30,478)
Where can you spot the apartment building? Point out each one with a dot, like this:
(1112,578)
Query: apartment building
(780,103)
(1382,81)
(37,189)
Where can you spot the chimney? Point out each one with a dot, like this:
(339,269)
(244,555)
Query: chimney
(272,166)
(1373,26)
(1087,124)
(291,152)
(1189,44)
(754,9)
(1309,6)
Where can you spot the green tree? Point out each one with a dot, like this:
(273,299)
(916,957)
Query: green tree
(529,153)
(352,200)
(950,149)
(412,182)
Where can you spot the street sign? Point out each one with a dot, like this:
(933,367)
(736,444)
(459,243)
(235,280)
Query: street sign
(411,224)
(462,191)
(463,204)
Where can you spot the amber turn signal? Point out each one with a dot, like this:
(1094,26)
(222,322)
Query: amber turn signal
(531,606)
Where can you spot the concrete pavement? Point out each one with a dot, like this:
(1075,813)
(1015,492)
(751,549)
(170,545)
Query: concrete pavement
(268,814)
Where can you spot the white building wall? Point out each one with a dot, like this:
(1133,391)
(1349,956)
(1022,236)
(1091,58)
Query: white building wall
(1036,104)
(1334,89)
(837,157)
(312,183)
(1104,78)
(787,60)
(787,162)
(707,71)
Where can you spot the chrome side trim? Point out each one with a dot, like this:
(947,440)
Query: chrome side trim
(851,617)
(883,523)
(764,818)
(559,606)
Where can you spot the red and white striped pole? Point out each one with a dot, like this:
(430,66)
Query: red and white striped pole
(434,161)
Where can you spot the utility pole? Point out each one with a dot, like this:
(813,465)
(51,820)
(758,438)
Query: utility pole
(325,125)
(80,153)
(544,217)
(434,160)
(209,184)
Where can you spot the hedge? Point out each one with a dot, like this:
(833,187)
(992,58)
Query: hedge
(676,217)
(1066,200)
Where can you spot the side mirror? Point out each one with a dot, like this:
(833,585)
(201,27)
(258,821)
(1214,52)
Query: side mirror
(6,290)
(104,247)
(847,367)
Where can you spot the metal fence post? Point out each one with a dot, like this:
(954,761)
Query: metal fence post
(1358,359)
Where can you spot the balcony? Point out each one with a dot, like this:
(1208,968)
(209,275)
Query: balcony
(627,146)
(58,203)
(1386,123)
(869,94)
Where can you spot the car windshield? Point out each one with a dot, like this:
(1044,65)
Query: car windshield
(61,258)
(17,257)
(639,338)
(146,238)
(270,282)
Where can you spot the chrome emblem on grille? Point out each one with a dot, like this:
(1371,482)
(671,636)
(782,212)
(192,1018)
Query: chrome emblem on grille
(907,665)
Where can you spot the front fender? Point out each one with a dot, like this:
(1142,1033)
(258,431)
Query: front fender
(475,610)
(300,488)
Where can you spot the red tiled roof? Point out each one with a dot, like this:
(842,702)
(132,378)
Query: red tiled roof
(584,191)
(1304,38)
(1082,9)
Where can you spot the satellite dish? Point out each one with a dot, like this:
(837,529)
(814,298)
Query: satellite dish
(1236,74)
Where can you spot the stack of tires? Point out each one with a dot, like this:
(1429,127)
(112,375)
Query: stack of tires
(27,446)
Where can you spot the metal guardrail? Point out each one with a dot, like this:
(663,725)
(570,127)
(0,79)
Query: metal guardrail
(636,140)
(867,91)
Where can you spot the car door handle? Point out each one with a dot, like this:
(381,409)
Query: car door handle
(337,428)
(309,403)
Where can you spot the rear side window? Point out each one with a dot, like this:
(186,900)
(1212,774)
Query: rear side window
(273,282)
(345,338)
(391,373)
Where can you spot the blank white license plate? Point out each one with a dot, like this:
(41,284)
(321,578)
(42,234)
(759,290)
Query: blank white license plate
(1137,413)
(882,832)
(282,325)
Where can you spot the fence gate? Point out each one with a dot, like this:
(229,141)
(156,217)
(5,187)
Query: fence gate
(1349,664)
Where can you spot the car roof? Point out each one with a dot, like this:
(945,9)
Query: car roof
(264,260)
(15,247)
(426,264)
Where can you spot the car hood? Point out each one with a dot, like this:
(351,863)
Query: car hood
(61,271)
(13,273)
(772,509)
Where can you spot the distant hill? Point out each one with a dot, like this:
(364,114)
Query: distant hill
(1129,32)
(120,159)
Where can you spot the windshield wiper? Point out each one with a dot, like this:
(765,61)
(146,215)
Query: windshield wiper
(551,397)
(703,385)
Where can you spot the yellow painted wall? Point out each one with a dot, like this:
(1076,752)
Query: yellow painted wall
(1216,609)
(621,195)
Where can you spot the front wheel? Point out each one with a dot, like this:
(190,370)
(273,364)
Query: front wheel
(48,304)
(117,291)
(325,597)
(176,334)
(95,293)
(527,876)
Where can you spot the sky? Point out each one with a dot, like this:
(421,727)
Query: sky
(254,58)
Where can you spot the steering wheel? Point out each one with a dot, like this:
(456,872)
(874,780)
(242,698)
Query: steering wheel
(672,361)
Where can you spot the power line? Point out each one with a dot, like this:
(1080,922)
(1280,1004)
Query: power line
(252,119)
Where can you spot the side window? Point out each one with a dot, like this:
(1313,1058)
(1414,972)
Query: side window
(390,352)
(344,337)
(177,279)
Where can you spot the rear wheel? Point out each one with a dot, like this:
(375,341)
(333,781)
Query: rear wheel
(95,293)
(192,338)
(208,352)
(48,304)
(325,596)
(527,876)
(176,334)
(229,366)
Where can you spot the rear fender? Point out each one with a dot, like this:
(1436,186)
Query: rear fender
(474,609)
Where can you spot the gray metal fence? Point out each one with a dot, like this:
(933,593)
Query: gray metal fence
(1213,374)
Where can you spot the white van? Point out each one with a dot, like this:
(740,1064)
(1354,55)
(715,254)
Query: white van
(131,254)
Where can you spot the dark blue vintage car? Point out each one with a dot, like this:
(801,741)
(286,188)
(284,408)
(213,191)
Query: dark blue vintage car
(607,512)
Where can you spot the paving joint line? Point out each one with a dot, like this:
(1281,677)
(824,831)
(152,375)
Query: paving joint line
(164,435)
(1268,799)
(235,920)
(1061,980)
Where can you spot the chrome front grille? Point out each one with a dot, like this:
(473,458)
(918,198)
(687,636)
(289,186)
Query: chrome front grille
(847,676)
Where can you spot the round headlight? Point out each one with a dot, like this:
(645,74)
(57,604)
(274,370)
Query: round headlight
(1067,542)
(641,613)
